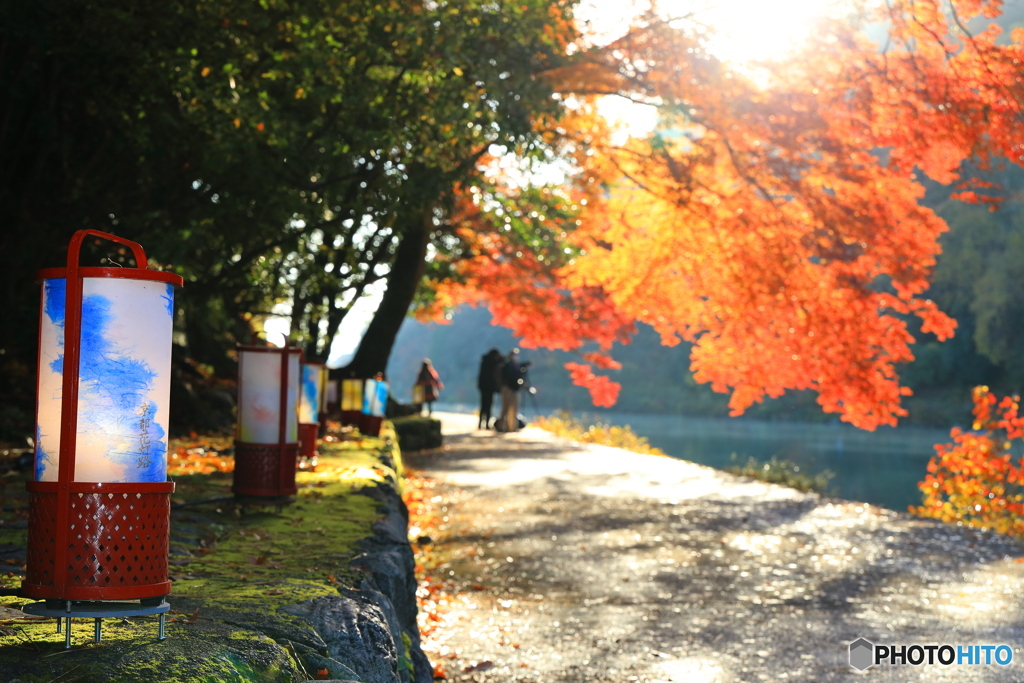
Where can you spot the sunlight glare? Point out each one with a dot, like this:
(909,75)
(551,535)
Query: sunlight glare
(746,31)
(741,32)
(276,327)
(629,118)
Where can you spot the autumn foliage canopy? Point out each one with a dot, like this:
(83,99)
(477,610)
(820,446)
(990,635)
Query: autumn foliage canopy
(773,218)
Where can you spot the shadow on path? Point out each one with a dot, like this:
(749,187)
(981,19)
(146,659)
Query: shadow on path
(601,565)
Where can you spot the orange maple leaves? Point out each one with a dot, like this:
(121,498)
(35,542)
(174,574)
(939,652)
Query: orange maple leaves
(513,263)
(976,480)
(779,229)
(603,391)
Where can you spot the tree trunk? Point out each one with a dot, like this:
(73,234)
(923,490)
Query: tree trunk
(406,272)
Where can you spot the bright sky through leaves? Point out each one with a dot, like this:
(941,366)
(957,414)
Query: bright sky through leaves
(744,32)
(753,30)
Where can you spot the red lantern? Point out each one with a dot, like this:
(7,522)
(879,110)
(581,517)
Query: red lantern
(267,439)
(311,404)
(99,504)
(375,401)
(331,400)
(351,401)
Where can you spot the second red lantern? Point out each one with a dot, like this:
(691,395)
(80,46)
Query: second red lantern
(267,438)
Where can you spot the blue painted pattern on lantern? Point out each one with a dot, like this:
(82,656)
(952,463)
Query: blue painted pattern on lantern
(309,396)
(375,397)
(124,380)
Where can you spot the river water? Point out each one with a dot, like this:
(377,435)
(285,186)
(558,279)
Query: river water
(881,467)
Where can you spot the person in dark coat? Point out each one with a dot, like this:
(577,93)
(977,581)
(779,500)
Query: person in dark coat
(488,381)
(431,384)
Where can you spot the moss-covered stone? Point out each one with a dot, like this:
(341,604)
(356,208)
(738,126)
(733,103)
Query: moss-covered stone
(202,652)
(234,568)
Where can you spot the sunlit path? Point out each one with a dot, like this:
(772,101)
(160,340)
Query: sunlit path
(600,565)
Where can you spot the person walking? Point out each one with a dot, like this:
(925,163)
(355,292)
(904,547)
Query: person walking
(430,384)
(488,380)
(511,382)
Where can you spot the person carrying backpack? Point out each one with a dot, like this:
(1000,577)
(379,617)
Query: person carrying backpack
(512,381)
(430,383)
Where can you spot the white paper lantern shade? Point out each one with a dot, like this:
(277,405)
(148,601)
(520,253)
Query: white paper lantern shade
(324,383)
(262,405)
(375,400)
(351,401)
(267,439)
(311,396)
(124,380)
(332,401)
(99,502)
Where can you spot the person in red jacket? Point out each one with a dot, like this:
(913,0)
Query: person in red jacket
(430,384)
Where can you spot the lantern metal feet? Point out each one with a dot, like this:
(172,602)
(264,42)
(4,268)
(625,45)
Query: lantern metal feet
(67,610)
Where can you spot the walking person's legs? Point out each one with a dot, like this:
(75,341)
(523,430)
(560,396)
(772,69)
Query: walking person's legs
(515,411)
(486,401)
(507,398)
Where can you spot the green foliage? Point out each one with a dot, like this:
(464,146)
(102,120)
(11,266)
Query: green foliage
(783,472)
(270,153)
(977,280)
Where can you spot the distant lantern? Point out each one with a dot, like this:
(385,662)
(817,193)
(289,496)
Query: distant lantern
(331,399)
(99,501)
(351,401)
(375,401)
(267,438)
(311,405)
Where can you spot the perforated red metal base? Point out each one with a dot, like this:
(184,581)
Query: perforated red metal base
(118,537)
(351,417)
(265,469)
(307,440)
(370,425)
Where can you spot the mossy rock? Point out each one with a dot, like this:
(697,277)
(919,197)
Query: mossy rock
(236,572)
(417,433)
(204,652)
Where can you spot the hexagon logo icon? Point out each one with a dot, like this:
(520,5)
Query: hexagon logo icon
(862,654)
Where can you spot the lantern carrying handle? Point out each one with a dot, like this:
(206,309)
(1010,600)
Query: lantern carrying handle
(75,248)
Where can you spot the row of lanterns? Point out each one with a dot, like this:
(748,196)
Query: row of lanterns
(99,501)
(280,400)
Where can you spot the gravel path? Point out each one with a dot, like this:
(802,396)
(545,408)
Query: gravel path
(585,563)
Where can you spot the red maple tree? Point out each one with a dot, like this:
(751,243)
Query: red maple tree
(776,225)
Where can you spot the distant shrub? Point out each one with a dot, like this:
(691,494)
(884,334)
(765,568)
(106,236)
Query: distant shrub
(976,480)
(564,425)
(416,433)
(784,472)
